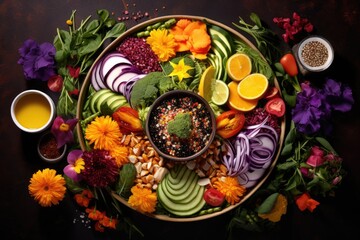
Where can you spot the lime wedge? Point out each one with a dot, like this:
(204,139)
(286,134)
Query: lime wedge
(221,93)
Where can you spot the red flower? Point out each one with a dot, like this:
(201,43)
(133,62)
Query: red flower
(99,227)
(94,214)
(74,92)
(316,158)
(74,72)
(293,27)
(100,168)
(108,222)
(304,202)
(83,198)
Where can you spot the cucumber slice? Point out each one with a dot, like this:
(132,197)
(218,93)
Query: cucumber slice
(223,34)
(221,46)
(183,186)
(102,99)
(176,174)
(118,103)
(95,97)
(185,198)
(180,209)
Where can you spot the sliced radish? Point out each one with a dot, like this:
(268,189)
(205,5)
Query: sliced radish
(94,79)
(110,60)
(122,78)
(129,84)
(113,73)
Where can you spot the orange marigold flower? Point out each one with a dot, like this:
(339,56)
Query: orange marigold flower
(304,202)
(162,43)
(193,36)
(142,199)
(120,153)
(103,132)
(230,187)
(47,187)
(94,214)
(277,211)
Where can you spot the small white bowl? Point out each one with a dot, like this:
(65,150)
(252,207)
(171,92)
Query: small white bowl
(32,111)
(315,54)
(61,152)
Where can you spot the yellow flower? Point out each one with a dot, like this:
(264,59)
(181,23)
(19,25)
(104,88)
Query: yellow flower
(180,70)
(69,22)
(120,153)
(47,188)
(277,211)
(230,187)
(162,43)
(142,199)
(104,132)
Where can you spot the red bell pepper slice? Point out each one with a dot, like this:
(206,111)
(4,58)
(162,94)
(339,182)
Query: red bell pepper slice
(128,120)
(229,123)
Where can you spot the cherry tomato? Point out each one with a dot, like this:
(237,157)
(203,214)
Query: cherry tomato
(55,83)
(214,197)
(276,106)
(289,64)
(128,119)
(229,123)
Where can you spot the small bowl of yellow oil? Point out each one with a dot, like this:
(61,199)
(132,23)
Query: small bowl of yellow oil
(32,111)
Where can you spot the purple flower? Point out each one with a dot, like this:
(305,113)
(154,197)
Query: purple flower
(63,130)
(307,112)
(38,61)
(75,165)
(314,107)
(338,96)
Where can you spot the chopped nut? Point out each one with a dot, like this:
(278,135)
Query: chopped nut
(144,172)
(132,158)
(160,174)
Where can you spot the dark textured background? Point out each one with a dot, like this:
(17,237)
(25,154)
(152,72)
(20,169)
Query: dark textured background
(22,218)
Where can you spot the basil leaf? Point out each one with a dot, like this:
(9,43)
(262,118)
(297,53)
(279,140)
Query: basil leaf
(103,14)
(90,46)
(325,144)
(268,203)
(115,31)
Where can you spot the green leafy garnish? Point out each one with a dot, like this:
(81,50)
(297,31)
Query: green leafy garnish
(265,38)
(77,48)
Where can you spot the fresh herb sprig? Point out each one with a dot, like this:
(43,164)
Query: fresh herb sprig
(78,48)
(265,38)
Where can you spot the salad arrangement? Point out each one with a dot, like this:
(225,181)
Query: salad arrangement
(182,54)
(114,161)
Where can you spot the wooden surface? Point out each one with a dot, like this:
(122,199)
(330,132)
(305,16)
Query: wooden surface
(22,218)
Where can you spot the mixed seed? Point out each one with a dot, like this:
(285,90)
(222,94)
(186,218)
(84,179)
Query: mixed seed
(171,144)
(314,54)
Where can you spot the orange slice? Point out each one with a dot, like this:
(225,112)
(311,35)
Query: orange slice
(237,102)
(253,87)
(238,66)
(207,83)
